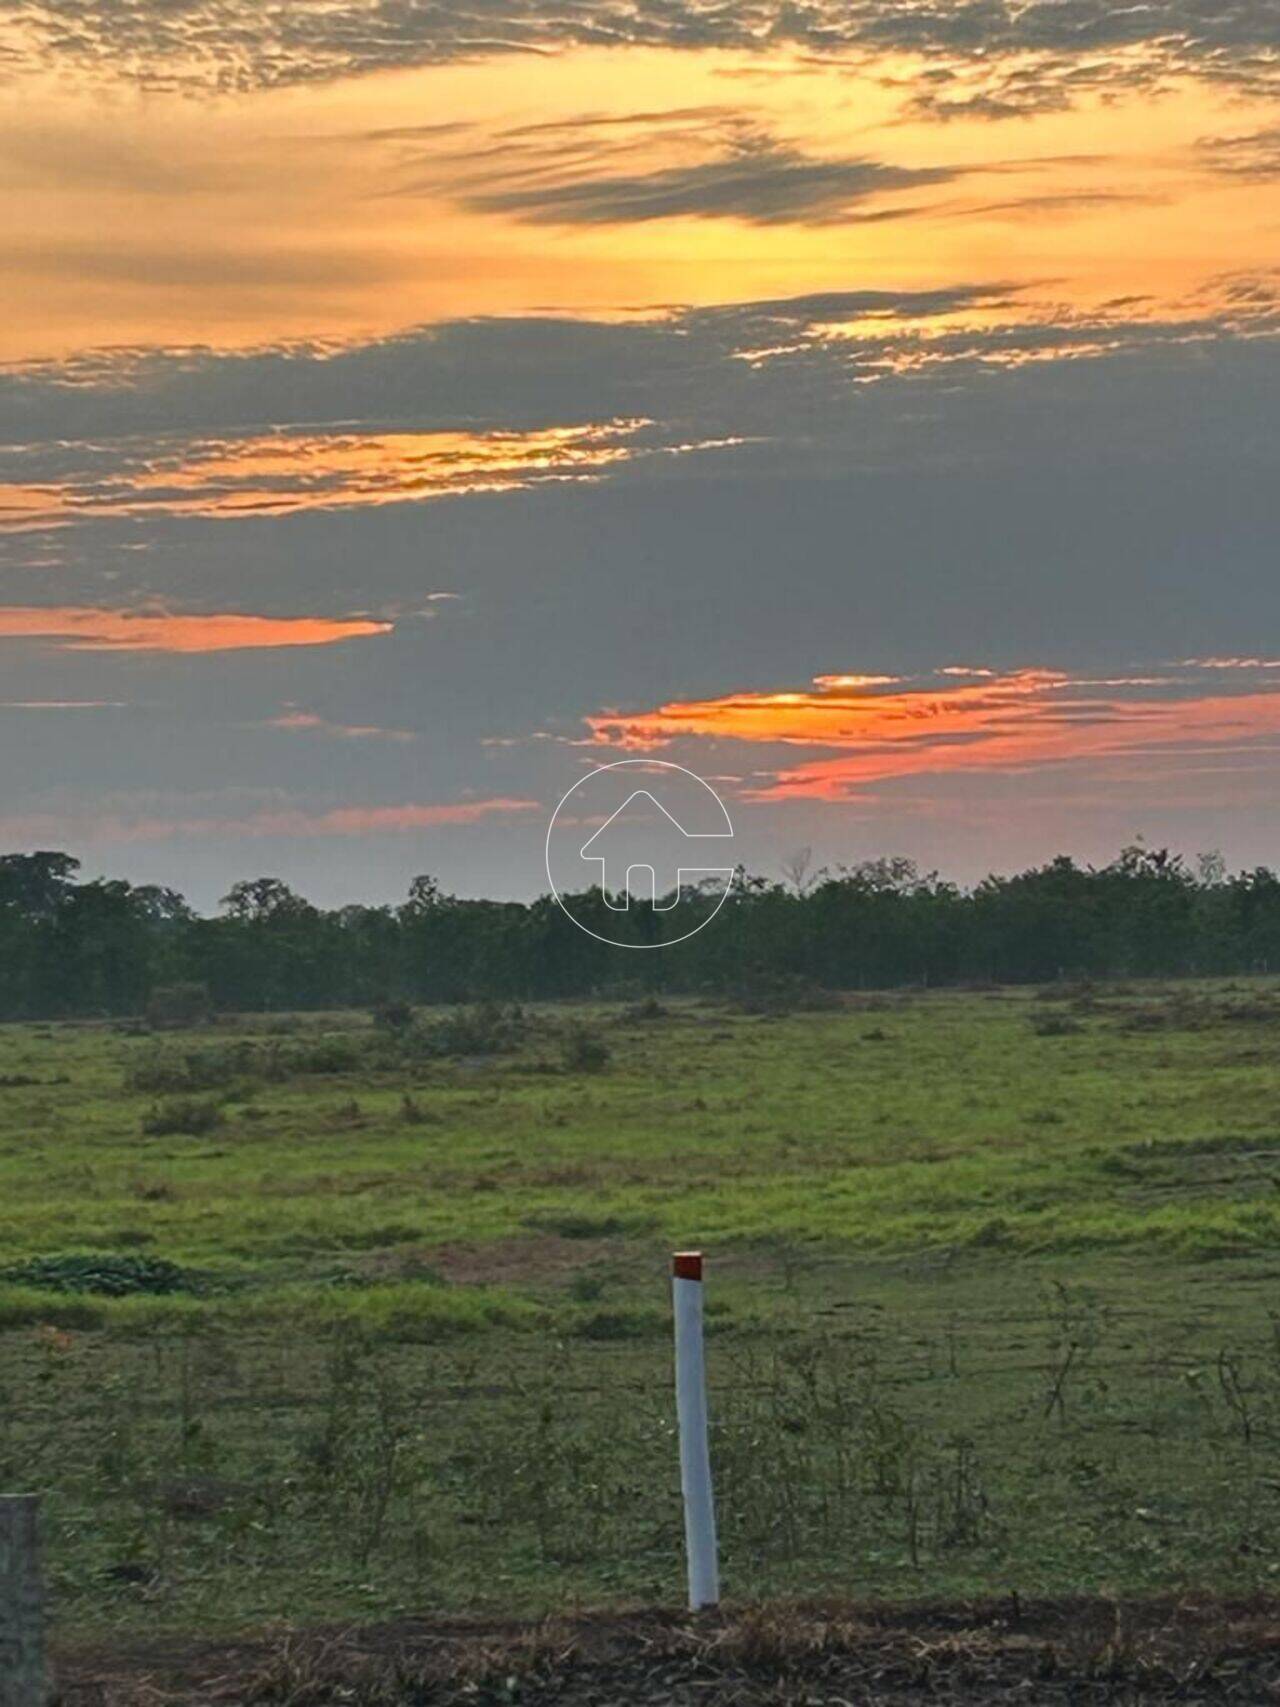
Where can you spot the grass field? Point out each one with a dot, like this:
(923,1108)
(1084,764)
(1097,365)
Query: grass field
(992,1280)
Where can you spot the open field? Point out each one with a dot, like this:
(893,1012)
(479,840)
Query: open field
(993,1277)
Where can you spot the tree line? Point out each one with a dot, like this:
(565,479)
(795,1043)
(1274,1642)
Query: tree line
(71,948)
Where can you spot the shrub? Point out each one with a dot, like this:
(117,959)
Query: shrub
(326,1055)
(191,1116)
(234,1068)
(173,1007)
(1055,1025)
(219,1068)
(392,1015)
(585,1051)
(489,1028)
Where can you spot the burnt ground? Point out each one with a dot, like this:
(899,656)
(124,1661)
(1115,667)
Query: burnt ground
(816,1654)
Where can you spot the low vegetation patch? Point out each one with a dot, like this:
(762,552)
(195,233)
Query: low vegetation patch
(489,1028)
(584,1050)
(190,1115)
(111,1276)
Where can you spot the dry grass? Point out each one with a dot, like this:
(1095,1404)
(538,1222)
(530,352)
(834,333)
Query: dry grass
(824,1654)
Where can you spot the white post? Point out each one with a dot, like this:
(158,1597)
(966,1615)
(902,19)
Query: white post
(691,1412)
(22,1680)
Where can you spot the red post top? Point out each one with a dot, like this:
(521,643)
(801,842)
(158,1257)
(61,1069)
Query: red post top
(687,1265)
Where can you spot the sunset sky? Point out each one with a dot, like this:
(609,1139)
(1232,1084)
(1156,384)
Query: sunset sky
(872,405)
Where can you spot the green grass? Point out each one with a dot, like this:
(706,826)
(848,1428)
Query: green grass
(991,1283)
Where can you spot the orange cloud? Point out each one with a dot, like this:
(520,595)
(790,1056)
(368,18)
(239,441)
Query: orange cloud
(1018,721)
(84,628)
(287,473)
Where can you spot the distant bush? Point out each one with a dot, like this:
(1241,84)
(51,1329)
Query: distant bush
(110,1276)
(234,1068)
(392,1015)
(488,1028)
(642,1012)
(216,1068)
(325,1055)
(190,1116)
(174,1007)
(779,993)
(1055,1025)
(1081,993)
(584,1051)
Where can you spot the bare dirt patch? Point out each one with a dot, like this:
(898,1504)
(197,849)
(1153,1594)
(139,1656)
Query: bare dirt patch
(1074,1650)
(545,1259)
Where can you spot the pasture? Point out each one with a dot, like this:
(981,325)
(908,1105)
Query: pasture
(312,1317)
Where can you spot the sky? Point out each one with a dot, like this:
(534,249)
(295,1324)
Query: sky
(407,406)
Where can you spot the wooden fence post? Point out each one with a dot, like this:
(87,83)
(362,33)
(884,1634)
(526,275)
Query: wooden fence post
(22,1676)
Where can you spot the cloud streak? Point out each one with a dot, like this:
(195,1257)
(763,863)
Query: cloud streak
(311,723)
(1018,721)
(1252,156)
(72,628)
(286,473)
(32,828)
(762,182)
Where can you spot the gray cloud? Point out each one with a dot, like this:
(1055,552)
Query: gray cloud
(763,182)
(814,386)
(649,119)
(1254,156)
(517,373)
(1061,203)
(990,57)
(597,169)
